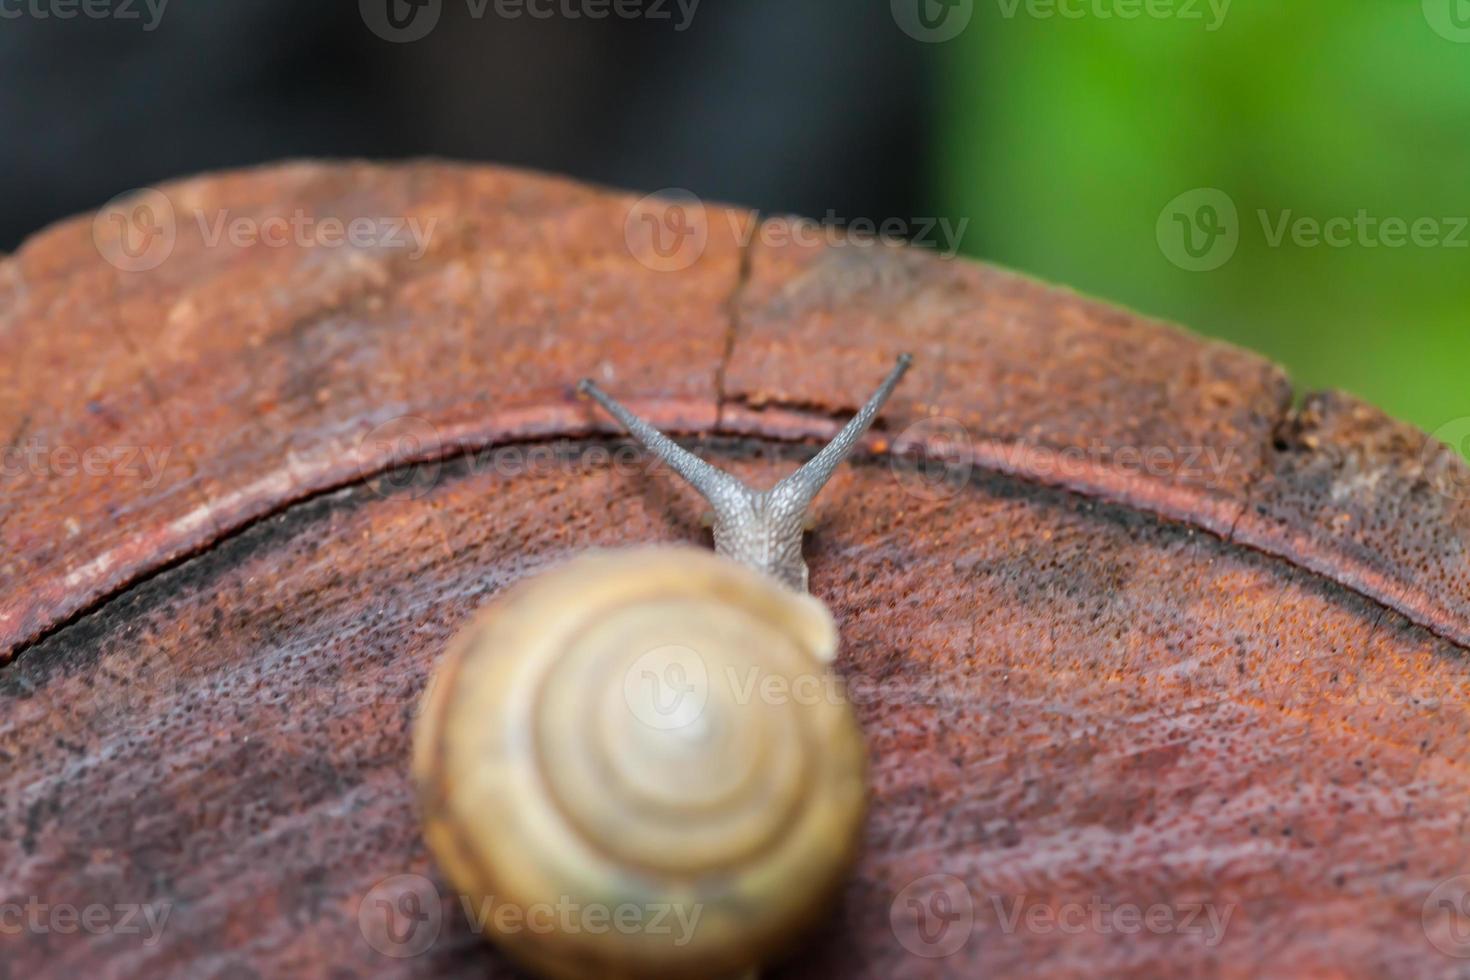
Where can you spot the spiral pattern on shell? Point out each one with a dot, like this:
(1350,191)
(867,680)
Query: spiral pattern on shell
(656,728)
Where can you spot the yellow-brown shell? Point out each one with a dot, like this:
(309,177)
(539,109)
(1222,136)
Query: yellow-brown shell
(640,763)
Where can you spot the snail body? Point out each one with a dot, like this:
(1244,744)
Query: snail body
(643,756)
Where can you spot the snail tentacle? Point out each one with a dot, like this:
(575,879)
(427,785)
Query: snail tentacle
(713,483)
(798,490)
(760,529)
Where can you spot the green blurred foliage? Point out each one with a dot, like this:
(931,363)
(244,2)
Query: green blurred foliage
(1068,137)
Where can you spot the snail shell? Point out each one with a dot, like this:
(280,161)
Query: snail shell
(656,729)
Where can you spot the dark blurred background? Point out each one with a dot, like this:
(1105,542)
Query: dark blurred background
(1243,167)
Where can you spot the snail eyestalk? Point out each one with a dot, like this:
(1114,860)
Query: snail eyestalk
(711,482)
(802,487)
(758,528)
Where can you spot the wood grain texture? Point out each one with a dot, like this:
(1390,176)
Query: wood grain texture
(1150,636)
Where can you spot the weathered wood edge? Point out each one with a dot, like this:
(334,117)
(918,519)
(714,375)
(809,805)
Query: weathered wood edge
(1390,459)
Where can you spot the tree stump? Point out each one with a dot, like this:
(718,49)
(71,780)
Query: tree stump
(1162,672)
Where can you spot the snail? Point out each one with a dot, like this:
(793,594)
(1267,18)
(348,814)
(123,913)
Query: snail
(640,763)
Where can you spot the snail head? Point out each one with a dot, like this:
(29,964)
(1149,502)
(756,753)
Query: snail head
(759,528)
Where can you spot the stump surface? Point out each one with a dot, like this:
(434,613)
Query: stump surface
(1154,636)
